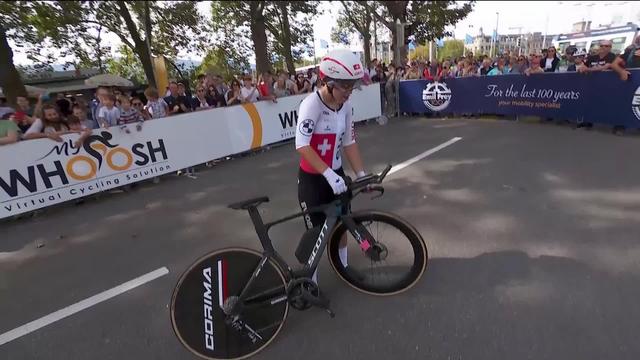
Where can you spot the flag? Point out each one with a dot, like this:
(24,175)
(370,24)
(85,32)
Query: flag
(412,45)
(468,39)
(440,42)
(324,44)
(494,37)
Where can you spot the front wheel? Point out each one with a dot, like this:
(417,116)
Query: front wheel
(394,260)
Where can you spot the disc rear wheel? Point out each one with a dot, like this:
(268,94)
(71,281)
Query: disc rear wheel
(210,287)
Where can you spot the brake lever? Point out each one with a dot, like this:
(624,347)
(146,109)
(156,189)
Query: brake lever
(379,189)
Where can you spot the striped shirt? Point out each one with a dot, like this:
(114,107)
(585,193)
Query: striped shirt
(129,116)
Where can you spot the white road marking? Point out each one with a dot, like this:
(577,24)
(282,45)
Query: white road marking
(79,306)
(419,157)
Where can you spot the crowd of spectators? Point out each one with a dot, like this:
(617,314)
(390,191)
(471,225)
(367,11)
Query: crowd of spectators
(128,110)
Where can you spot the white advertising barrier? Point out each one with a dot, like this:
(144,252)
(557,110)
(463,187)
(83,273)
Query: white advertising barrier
(39,173)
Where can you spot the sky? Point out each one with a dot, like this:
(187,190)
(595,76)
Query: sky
(554,17)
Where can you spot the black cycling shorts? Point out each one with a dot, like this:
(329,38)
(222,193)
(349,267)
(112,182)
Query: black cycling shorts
(314,190)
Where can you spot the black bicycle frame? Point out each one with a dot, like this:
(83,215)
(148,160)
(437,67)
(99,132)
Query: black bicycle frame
(333,213)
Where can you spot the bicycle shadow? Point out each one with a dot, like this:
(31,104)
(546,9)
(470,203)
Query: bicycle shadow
(496,305)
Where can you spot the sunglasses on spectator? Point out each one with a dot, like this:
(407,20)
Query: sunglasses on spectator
(135,103)
(605,46)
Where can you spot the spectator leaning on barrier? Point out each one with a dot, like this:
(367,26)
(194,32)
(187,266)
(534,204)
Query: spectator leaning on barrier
(75,125)
(8,132)
(629,59)
(248,93)
(535,67)
(81,114)
(109,113)
(390,91)
(486,67)
(280,86)
(578,60)
(519,66)
(128,114)
(600,61)
(22,121)
(24,106)
(51,126)
(234,94)
(201,101)
(500,69)
(265,87)
(302,84)
(172,98)
(156,106)
(137,104)
(551,61)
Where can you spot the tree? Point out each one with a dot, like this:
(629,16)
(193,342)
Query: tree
(237,23)
(224,63)
(35,27)
(127,65)
(147,27)
(289,24)
(355,15)
(451,49)
(426,20)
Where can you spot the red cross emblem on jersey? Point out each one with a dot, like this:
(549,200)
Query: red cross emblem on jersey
(324,145)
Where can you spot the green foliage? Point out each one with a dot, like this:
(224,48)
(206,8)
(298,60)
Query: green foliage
(127,65)
(219,61)
(426,20)
(288,25)
(451,49)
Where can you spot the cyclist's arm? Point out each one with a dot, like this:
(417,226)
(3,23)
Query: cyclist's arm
(308,116)
(351,150)
(313,158)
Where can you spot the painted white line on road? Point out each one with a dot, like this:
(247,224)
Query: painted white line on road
(79,306)
(419,157)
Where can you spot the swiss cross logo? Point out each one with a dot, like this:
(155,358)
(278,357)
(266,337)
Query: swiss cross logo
(356,67)
(324,145)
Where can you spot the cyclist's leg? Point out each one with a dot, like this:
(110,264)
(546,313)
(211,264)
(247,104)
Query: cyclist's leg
(313,190)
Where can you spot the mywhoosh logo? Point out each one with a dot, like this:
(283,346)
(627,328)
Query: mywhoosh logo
(100,154)
(635,103)
(436,96)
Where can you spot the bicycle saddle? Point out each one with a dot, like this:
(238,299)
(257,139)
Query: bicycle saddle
(244,205)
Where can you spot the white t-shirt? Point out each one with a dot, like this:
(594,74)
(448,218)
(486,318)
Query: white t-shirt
(324,130)
(38,127)
(548,63)
(250,95)
(110,116)
(157,109)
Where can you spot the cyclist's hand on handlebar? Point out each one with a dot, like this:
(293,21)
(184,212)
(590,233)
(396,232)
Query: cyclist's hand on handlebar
(335,181)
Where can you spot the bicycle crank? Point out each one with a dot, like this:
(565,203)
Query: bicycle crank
(303,293)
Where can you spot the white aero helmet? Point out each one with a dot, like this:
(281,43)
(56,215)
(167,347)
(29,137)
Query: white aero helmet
(341,64)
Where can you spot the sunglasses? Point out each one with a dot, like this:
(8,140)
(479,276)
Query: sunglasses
(346,85)
(136,104)
(607,46)
(200,90)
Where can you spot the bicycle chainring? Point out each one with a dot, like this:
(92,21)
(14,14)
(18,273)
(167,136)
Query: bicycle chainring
(296,291)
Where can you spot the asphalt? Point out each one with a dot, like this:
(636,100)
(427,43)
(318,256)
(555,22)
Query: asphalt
(532,233)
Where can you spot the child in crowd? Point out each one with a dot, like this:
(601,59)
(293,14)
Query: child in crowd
(156,106)
(76,125)
(128,115)
(108,114)
(80,112)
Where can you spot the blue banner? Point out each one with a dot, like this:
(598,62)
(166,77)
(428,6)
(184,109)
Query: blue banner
(599,97)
